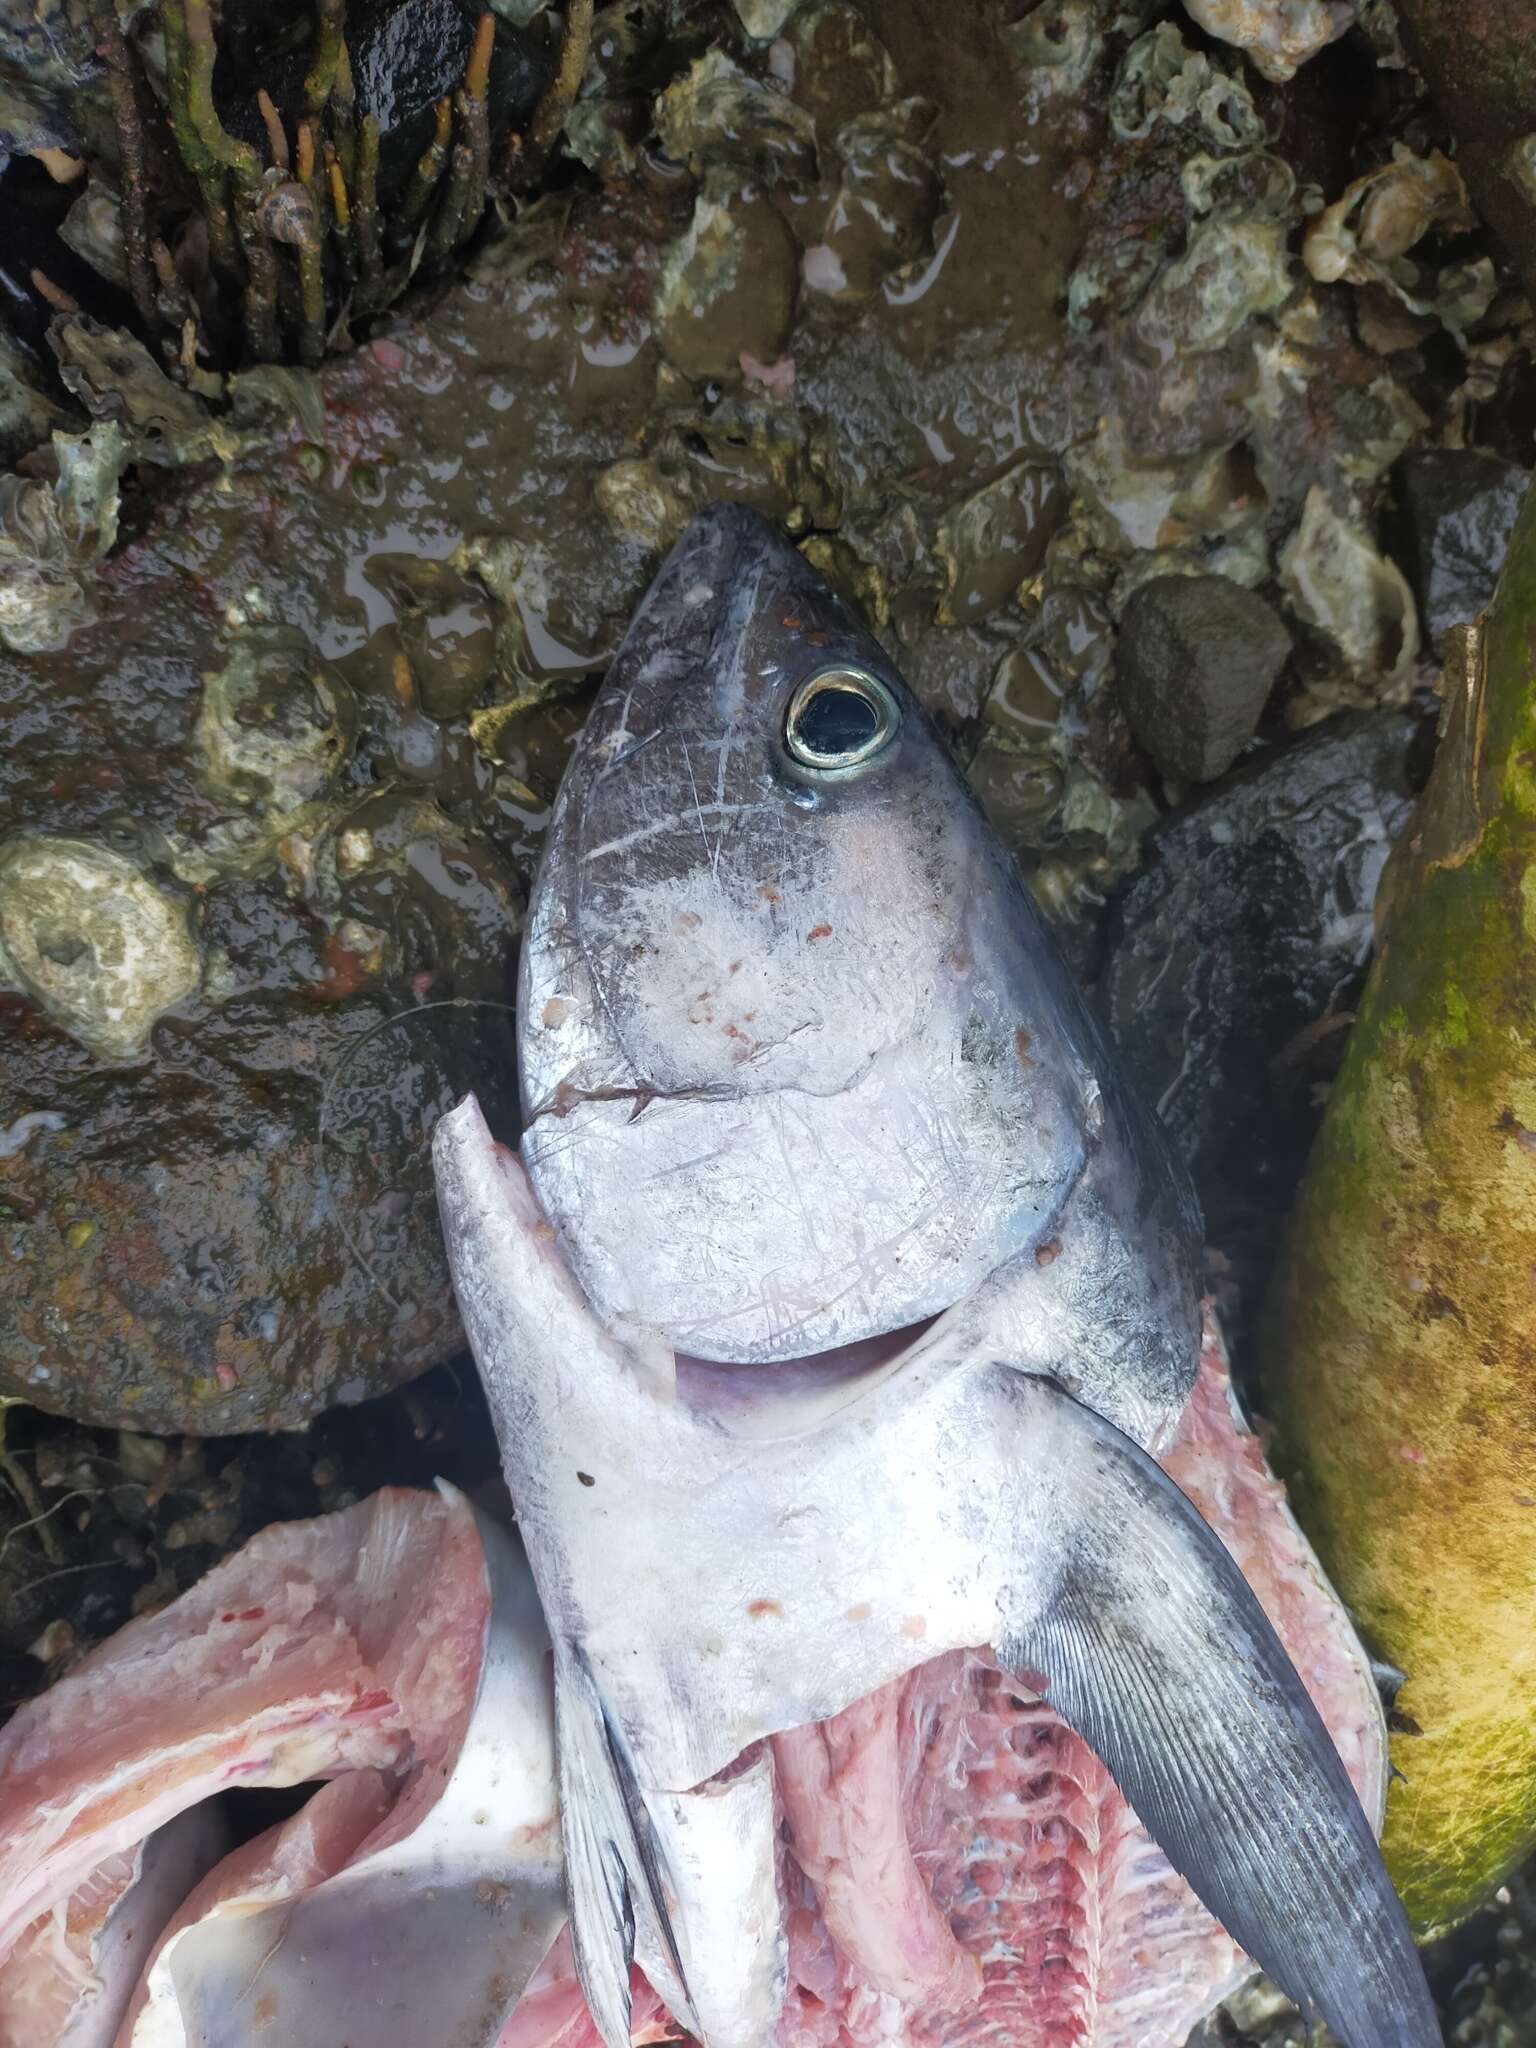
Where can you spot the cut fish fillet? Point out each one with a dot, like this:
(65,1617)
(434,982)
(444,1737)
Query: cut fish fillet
(351,1642)
(70,1978)
(281,1864)
(348,1644)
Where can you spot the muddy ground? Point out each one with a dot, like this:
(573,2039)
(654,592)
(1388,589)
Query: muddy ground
(1163,416)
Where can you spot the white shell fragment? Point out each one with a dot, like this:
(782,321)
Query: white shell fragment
(1278,36)
(93,940)
(1343,587)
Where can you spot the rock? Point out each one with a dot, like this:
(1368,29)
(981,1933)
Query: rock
(238,1229)
(261,876)
(1198,657)
(1396,1359)
(728,285)
(1234,955)
(1457,508)
(996,539)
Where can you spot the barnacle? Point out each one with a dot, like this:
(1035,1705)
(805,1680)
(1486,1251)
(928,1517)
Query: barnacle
(1342,587)
(1366,237)
(1162,80)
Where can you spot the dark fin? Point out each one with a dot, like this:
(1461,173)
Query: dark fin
(612,1872)
(1157,1652)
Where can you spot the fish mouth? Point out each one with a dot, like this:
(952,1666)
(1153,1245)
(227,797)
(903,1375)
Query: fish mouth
(753,1400)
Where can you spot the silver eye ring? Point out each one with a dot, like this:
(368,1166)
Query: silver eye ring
(839,719)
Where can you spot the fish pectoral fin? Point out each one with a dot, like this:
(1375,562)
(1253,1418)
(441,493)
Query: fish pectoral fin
(613,1874)
(1156,1650)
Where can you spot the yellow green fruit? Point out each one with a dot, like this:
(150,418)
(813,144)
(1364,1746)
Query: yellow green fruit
(1401,1351)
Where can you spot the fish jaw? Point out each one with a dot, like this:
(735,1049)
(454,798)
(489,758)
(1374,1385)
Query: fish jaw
(776,1582)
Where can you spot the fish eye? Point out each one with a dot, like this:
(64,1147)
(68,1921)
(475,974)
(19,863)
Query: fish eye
(840,719)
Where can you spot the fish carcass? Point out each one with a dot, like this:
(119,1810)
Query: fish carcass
(840,1318)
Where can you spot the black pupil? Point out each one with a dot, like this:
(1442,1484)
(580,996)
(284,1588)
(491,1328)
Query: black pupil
(837,720)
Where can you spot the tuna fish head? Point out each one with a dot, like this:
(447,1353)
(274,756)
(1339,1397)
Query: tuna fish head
(801,1065)
(828,1320)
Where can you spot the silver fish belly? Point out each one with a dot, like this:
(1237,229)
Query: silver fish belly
(833,1315)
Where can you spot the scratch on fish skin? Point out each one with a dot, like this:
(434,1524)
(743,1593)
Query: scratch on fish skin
(635,747)
(732,634)
(765,1301)
(655,828)
(696,1159)
(807,1221)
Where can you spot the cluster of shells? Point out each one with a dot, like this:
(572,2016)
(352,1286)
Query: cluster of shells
(1250,351)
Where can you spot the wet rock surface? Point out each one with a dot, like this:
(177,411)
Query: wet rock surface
(241,1229)
(103,1524)
(1234,957)
(1197,658)
(1456,508)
